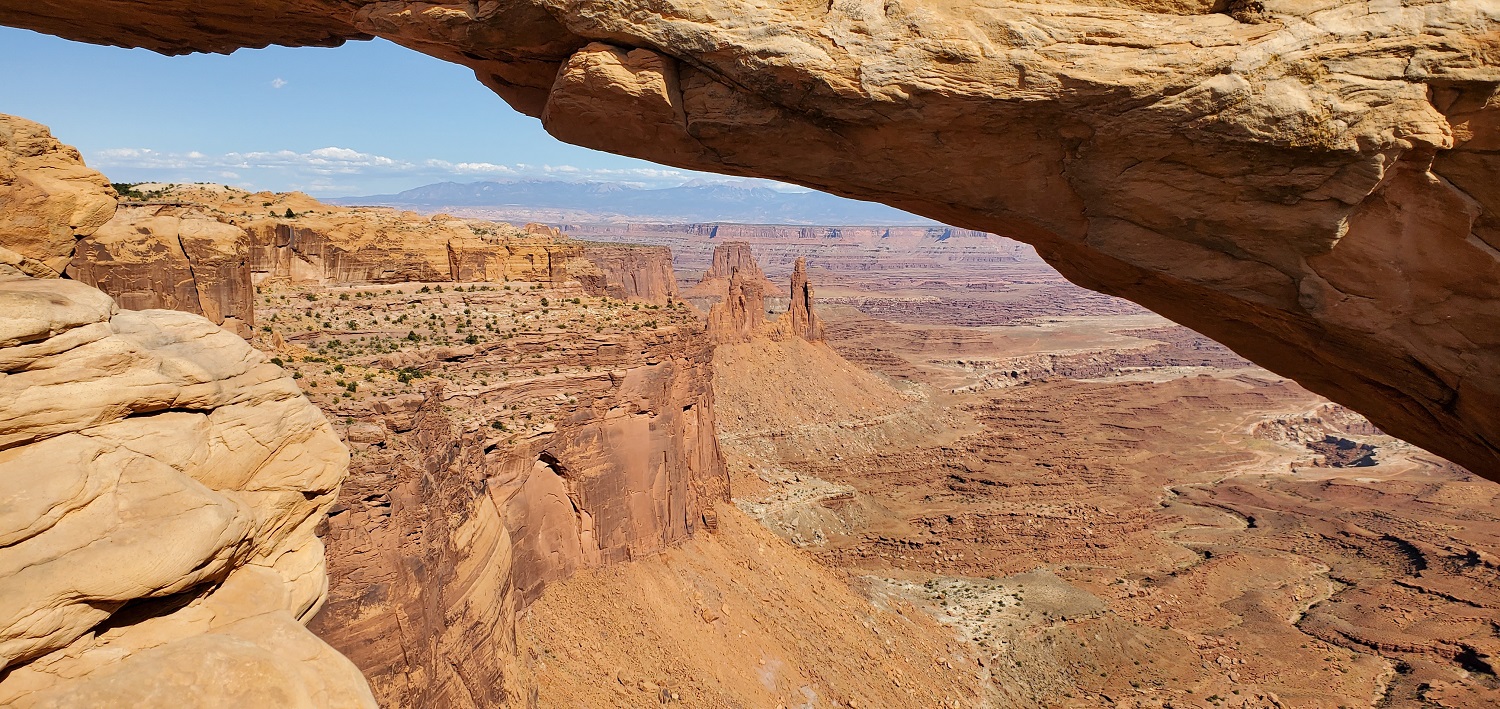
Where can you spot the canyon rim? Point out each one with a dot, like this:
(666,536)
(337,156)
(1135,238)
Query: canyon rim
(261,450)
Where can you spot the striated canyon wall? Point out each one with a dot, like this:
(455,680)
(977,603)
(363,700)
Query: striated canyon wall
(1308,183)
(173,258)
(203,249)
(506,465)
(161,485)
(172,491)
(739,315)
(630,272)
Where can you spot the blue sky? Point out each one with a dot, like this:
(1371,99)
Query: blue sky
(364,118)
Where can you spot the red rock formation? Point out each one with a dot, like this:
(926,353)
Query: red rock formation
(741,315)
(628,272)
(730,257)
(1310,184)
(447,529)
(800,320)
(613,487)
(420,593)
(174,258)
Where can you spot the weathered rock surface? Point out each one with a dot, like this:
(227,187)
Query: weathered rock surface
(800,320)
(741,314)
(470,493)
(48,199)
(174,258)
(202,248)
(160,486)
(1309,183)
(380,246)
(729,257)
(634,273)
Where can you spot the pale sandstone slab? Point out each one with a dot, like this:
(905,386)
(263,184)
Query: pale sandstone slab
(160,485)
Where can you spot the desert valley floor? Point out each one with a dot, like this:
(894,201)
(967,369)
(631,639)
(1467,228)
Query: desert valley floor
(1100,507)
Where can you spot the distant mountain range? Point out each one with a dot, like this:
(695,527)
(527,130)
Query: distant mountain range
(691,202)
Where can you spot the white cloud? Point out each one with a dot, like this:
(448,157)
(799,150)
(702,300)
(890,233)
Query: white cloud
(338,170)
(278,82)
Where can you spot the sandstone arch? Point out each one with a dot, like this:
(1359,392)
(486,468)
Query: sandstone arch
(1312,184)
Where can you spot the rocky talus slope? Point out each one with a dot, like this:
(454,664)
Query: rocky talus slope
(161,486)
(1308,183)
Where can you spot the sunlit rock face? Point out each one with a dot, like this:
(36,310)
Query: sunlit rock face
(1310,183)
(171,258)
(449,526)
(161,482)
(162,485)
(48,199)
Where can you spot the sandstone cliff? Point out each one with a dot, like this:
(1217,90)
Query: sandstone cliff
(203,248)
(630,272)
(800,320)
(338,245)
(163,483)
(741,313)
(1308,183)
(48,199)
(503,466)
(174,258)
(728,258)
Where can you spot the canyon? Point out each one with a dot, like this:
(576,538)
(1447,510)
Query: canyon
(435,421)
(1248,169)
(261,450)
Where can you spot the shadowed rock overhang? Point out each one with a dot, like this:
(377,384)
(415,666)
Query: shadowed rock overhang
(1311,183)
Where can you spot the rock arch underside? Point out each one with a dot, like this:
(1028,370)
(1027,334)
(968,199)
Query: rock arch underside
(1313,184)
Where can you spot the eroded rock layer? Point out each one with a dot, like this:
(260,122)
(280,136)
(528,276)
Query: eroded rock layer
(1309,183)
(172,258)
(627,272)
(557,435)
(48,199)
(162,482)
(203,249)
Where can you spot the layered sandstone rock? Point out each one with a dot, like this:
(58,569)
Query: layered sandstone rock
(800,320)
(729,257)
(162,483)
(48,199)
(357,246)
(174,258)
(471,492)
(1308,183)
(203,248)
(628,272)
(741,314)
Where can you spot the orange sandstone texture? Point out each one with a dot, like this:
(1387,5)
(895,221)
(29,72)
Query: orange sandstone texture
(161,482)
(1310,184)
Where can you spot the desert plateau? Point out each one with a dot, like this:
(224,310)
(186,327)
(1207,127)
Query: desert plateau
(1116,353)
